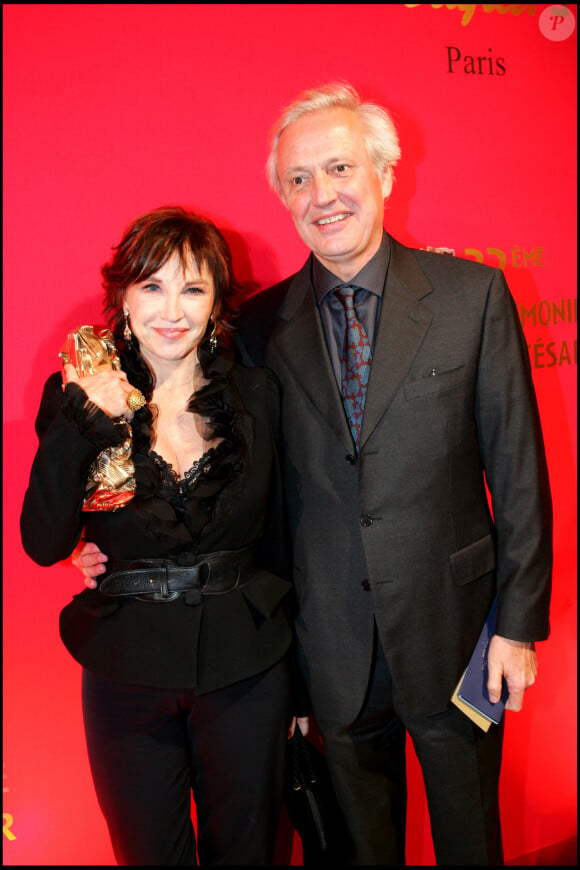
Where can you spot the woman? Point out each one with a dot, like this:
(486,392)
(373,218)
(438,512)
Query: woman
(185,687)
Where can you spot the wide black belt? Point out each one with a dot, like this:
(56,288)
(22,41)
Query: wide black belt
(161,580)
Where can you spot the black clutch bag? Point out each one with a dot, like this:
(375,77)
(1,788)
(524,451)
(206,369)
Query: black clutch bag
(312,805)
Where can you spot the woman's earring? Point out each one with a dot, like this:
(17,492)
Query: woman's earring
(213,339)
(127,334)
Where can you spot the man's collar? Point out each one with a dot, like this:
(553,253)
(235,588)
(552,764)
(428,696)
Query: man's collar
(371,277)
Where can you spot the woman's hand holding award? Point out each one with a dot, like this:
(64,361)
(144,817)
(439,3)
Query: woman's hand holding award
(111,478)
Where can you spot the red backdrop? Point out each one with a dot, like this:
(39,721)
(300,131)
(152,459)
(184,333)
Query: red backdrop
(111,110)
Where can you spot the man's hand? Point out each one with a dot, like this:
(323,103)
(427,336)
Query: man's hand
(516,661)
(89,559)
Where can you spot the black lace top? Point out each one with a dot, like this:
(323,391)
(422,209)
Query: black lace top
(175,487)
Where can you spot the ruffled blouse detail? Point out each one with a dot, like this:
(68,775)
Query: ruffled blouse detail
(165,509)
(183,513)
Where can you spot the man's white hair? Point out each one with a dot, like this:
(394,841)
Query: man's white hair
(380,134)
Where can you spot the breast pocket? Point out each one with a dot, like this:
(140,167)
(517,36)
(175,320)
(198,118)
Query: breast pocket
(436,382)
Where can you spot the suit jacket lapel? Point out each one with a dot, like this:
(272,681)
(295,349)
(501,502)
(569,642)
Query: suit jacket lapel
(403,324)
(300,342)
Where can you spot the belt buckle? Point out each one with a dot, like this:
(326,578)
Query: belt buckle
(160,597)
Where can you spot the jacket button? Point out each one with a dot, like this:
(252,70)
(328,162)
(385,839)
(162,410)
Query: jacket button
(366,585)
(366,520)
(350,458)
(193,597)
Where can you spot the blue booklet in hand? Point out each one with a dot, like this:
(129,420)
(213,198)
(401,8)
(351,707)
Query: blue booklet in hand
(472,689)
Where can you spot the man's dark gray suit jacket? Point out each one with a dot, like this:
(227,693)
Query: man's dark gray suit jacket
(405,536)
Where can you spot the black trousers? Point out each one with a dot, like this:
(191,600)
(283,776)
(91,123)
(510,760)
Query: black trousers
(150,748)
(460,765)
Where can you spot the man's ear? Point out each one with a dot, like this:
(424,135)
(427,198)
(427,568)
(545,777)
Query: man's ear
(387,181)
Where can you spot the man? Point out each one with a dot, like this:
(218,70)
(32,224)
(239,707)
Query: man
(397,554)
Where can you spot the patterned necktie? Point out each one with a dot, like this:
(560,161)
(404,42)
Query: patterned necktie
(355,363)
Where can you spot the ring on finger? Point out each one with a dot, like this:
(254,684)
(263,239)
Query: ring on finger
(136,400)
